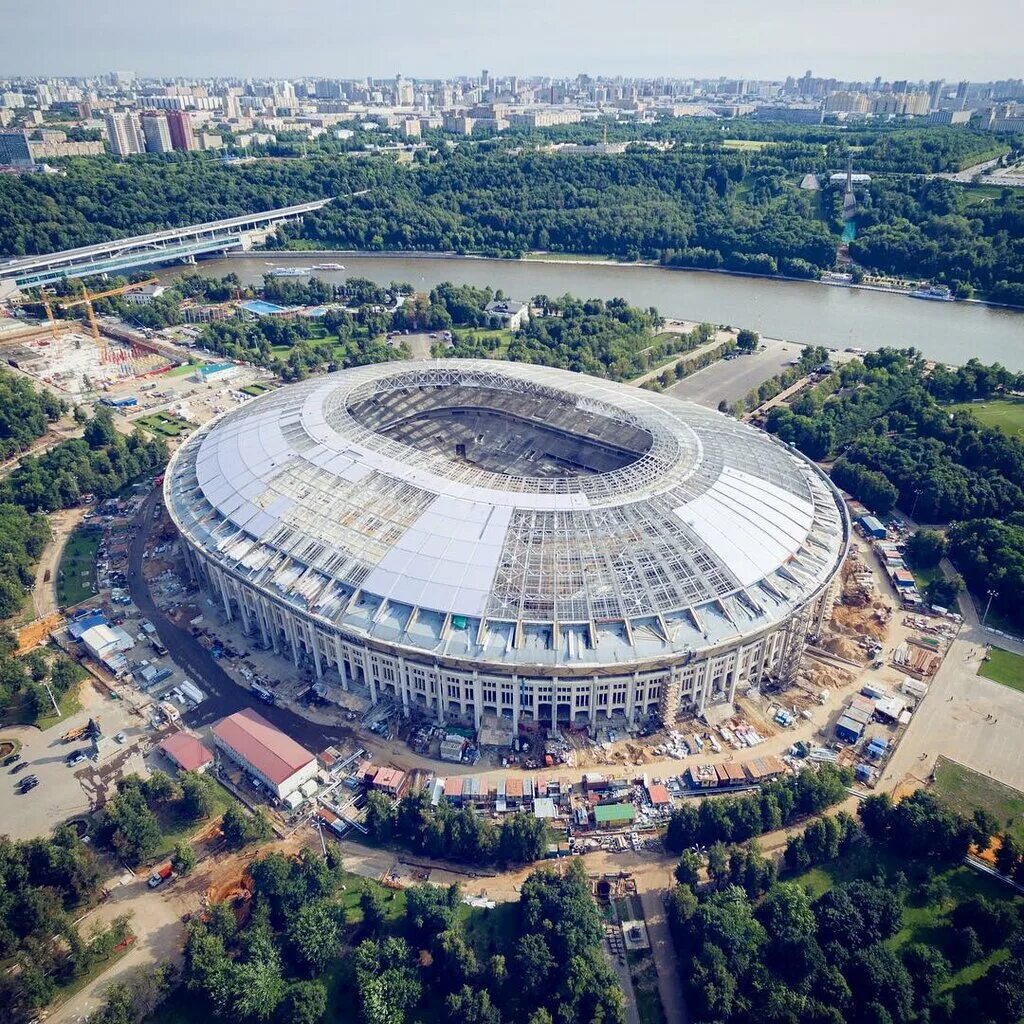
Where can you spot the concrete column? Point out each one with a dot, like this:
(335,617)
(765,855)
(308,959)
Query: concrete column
(340,655)
(224,594)
(246,624)
(593,703)
(554,703)
(270,614)
(311,638)
(403,685)
(368,676)
(516,698)
(293,636)
(631,698)
(261,621)
(441,697)
(478,699)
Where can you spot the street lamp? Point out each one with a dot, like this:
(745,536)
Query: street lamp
(913,508)
(991,594)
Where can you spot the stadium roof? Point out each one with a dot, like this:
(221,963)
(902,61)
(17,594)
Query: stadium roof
(509,512)
(273,754)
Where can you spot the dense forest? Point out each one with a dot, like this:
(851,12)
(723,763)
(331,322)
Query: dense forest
(99,463)
(390,957)
(899,445)
(700,203)
(889,928)
(44,886)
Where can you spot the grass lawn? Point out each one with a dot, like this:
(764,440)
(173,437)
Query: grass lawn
(503,334)
(925,576)
(645,986)
(76,574)
(69,704)
(582,257)
(256,389)
(181,371)
(174,829)
(1005,414)
(926,922)
(751,144)
(964,791)
(1004,667)
(163,424)
(65,992)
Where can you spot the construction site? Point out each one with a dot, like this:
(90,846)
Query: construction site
(81,357)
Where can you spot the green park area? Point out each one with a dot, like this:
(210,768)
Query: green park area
(76,574)
(933,896)
(181,371)
(256,388)
(164,425)
(1005,414)
(965,791)
(1004,667)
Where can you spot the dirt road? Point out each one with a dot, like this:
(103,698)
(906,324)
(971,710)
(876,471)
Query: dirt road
(44,591)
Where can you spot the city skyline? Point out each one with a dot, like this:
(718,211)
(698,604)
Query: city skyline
(658,39)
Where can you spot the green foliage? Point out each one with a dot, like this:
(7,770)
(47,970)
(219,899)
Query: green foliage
(240,829)
(101,464)
(460,835)
(735,819)
(925,548)
(43,882)
(184,858)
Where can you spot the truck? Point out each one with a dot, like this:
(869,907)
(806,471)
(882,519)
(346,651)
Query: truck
(160,875)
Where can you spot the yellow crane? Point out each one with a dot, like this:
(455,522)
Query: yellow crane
(87,300)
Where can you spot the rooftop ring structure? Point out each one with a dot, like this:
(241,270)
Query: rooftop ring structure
(479,540)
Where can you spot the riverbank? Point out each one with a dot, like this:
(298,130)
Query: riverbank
(583,260)
(837,318)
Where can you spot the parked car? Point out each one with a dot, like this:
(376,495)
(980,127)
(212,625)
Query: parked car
(75,757)
(10,759)
(27,783)
(120,738)
(21,766)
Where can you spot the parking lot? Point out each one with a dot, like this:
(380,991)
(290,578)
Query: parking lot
(64,792)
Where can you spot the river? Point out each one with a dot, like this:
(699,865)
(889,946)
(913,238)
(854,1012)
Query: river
(799,311)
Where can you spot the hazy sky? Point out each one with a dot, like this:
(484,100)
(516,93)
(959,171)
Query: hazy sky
(433,38)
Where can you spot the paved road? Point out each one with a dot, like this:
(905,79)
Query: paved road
(663,949)
(225,696)
(731,379)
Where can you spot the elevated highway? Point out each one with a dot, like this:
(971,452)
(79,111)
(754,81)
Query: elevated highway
(173,245)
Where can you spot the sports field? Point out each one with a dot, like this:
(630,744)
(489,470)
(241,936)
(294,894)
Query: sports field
(1005,414)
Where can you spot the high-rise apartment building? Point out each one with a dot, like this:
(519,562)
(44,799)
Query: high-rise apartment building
(157,133)
(123,134)
(182,136)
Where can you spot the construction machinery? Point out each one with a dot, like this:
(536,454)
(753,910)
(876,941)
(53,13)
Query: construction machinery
(87,301)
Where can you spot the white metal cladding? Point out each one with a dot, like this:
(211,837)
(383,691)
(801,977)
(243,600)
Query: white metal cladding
(710,530)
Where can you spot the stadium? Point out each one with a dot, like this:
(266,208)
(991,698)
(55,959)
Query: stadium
(488,542)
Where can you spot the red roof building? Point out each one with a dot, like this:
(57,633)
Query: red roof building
(264,751)
(392,781)
(187,753)
(658,795)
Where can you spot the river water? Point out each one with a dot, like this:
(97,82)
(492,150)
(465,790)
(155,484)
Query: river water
(803,312)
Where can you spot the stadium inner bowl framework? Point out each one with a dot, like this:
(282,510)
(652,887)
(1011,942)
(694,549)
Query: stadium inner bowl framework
(474,538)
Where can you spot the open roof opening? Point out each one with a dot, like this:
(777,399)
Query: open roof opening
(531,434)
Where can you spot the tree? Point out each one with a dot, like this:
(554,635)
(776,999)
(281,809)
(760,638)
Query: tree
(472,1006)
(196,795)
(240,828)
(184,858)
(305,1002)
(380,816)
(314,936)
(1008,855)
(687,871)
(100,431)
(747,340)
(925,548)
(718,863)
(374,914)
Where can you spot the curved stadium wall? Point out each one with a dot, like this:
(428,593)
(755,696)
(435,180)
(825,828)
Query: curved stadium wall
(473,538)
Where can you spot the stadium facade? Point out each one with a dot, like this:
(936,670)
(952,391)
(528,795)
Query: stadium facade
(474,538)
